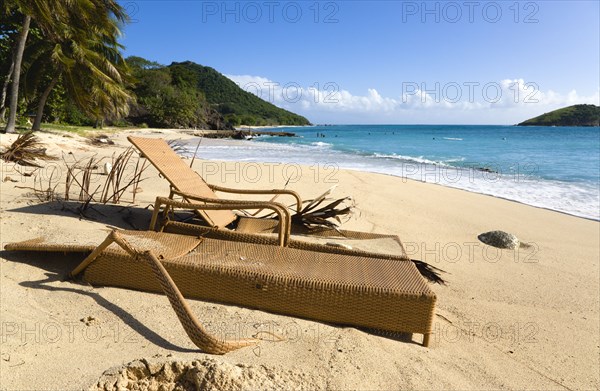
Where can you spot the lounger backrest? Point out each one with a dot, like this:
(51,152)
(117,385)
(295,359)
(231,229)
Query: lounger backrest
(181,176)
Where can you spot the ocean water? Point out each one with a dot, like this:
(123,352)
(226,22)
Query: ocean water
(550,167)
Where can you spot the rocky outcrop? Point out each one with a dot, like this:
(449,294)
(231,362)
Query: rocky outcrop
(204,374)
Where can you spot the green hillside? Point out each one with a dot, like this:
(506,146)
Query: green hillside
(191,95)
(578,115)
(238,107)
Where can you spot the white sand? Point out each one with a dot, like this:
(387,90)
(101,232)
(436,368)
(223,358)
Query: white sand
(524,319)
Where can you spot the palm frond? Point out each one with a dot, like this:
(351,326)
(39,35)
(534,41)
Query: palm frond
(431,273)
(25,149)
(312,216)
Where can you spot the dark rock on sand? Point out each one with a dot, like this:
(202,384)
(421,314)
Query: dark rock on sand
(500,239)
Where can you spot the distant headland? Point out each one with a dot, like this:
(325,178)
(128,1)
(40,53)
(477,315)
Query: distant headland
(577,115)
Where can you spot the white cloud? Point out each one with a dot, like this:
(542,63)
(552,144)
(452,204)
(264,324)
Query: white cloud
(506,101)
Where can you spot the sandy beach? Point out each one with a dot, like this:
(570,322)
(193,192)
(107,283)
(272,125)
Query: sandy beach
(507,319)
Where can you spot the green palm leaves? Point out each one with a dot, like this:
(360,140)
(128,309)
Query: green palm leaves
(78,46)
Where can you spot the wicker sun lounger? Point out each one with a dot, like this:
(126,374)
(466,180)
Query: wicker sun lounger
(376,293)
(186,183)
(218,213)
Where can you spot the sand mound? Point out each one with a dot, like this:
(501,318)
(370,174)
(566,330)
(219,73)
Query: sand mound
(204,374)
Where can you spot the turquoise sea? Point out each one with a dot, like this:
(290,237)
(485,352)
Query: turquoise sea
(550,167)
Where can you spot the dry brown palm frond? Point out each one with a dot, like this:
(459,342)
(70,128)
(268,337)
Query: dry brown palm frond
(120,175)
(431,273)
(25,149)
(314,216)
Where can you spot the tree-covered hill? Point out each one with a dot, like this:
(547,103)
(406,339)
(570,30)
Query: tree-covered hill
(239,107)
(577,115)
(191,95)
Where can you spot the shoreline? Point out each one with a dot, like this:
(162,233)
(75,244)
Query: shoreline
(248,127)
(191,134)
(502,186)
(506,320)
(491,195)
(428,183)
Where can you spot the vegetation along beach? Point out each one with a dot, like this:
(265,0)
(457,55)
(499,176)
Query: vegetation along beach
(299,195)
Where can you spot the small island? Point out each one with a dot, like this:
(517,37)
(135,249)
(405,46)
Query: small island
(577,115)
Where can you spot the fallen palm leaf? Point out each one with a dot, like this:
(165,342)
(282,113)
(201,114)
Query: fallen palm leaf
(431,273)
(312,216)
(328,216)
(25,149)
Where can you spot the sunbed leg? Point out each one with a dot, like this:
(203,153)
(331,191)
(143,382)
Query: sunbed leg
(155,214)
(194,329)
(107,242)
(426,338)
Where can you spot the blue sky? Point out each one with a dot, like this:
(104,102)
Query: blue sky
(471,62)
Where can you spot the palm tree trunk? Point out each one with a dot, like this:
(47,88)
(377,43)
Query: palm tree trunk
(14,93)
(40,110)
(5,90)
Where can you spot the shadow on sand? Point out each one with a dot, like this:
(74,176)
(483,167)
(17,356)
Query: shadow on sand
(58,267)
(119,216)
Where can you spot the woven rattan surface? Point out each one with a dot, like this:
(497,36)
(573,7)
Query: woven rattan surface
(40,244)
(163,246)
(362,243)
(284,219)
(349,289)
(264,231)
(374,293)
(180,176)
(253,225)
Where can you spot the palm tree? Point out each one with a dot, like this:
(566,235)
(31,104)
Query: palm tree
(16,75)
(92,70)
(95,76)
(40,11)
(81,31)
(8,25)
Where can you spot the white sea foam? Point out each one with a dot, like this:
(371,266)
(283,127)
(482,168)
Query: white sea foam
(419,159)
(579,199)
(456,160)
(320,144)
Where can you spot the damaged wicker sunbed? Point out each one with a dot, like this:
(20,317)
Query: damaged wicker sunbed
(380,293)
(220,221)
